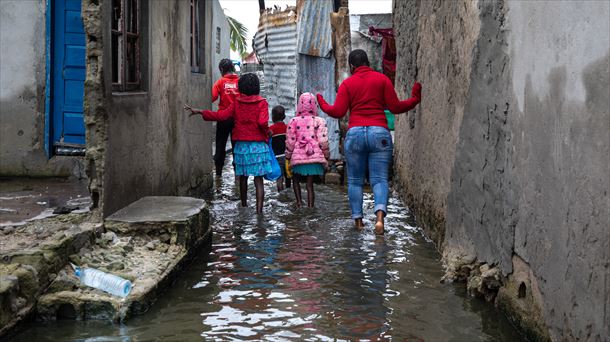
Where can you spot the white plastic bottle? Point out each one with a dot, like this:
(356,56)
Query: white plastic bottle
(110,283)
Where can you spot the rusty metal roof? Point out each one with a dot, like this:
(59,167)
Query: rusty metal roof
(314,29)
(275,45)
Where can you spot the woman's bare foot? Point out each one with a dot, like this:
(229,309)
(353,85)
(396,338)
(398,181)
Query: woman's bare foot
(379,225)
(379,228)
(358,224)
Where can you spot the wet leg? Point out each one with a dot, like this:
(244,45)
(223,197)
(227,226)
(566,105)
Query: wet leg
(280,184)
(379,225)
(378,164)
(358,224)
(356,156)
(223,130)
(260,193)
(243,190)
(296,186)
(310,194)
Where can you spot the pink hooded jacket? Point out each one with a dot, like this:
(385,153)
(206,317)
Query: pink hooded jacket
(307,135)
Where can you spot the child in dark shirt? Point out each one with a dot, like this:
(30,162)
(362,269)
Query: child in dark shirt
(278,143)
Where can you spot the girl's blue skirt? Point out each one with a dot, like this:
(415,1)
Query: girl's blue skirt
(251,158)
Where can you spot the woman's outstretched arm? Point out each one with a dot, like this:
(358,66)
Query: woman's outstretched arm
(395,105)
(339,109)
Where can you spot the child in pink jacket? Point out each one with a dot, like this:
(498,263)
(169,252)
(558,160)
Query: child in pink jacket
(307,146)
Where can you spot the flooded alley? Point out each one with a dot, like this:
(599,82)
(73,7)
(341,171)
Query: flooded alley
(302,275)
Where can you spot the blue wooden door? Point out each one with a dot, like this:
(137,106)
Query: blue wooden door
(68,78)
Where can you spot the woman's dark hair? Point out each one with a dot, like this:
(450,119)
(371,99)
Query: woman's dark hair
(248,84)
(358,58)
(278,113)
(226,66)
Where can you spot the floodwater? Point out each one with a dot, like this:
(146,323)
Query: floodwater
(302,274)
(27,199)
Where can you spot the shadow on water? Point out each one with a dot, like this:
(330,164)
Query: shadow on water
(302,274)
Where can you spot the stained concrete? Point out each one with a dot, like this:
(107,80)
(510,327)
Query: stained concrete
(148,242)
(142,143)
(149,247)
(158,209)
(506,159)
(30,258)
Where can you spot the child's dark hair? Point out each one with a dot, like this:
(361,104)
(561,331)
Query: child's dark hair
(226,66)
(249,85)
(278,113)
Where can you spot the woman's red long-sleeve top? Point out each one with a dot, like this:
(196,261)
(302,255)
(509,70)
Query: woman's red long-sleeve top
(367,93)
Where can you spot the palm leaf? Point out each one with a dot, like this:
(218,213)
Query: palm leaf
(237,33)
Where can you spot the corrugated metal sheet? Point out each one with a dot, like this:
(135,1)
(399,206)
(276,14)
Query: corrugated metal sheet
(316,75)
(275,45)
(288,73)
(315,31)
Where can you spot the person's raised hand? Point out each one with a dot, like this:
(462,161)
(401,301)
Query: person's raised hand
(319,98)
(416,91)
(190,109)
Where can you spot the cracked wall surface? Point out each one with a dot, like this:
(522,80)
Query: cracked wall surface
(142,143)
(22,94)
(505,161)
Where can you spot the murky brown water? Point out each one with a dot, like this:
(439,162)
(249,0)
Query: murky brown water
(27,199)
(303,275)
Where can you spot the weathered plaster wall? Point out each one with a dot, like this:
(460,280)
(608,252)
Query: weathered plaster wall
(506,160)
(22,93)
(146,144)
(219,20)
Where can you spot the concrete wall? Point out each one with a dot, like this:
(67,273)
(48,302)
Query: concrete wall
(506,160)
(143,143)
(219,20)
(22,93)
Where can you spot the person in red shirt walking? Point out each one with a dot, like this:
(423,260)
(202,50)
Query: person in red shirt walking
(368,143)
(227,90)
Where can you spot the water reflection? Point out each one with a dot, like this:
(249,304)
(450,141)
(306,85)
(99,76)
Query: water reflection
(302,274)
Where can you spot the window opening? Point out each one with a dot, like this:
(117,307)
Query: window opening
(197,37)
(125,43)
(218,40)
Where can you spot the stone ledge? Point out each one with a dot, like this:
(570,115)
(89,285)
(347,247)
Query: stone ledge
(138,246)
(174,220)
(34,254)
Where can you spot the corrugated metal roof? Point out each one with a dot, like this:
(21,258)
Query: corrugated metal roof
(275,45)
(314,29)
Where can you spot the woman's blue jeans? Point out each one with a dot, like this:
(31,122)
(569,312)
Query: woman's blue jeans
(368,147)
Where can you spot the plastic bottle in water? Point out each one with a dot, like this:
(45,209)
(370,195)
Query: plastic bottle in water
(103,281)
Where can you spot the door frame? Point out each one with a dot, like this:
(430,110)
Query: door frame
(50,78)
(48,136)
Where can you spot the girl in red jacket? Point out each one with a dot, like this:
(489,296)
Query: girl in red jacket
(250,133)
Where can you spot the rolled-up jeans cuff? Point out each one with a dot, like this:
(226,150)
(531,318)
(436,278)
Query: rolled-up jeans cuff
(382,207)
(356,216)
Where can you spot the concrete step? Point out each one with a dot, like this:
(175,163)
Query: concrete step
(147,242)
(30,258)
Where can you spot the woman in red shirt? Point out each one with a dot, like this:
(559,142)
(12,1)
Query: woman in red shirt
(226,88)
(368,143)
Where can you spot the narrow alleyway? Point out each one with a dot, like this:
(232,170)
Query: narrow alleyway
(302,275)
